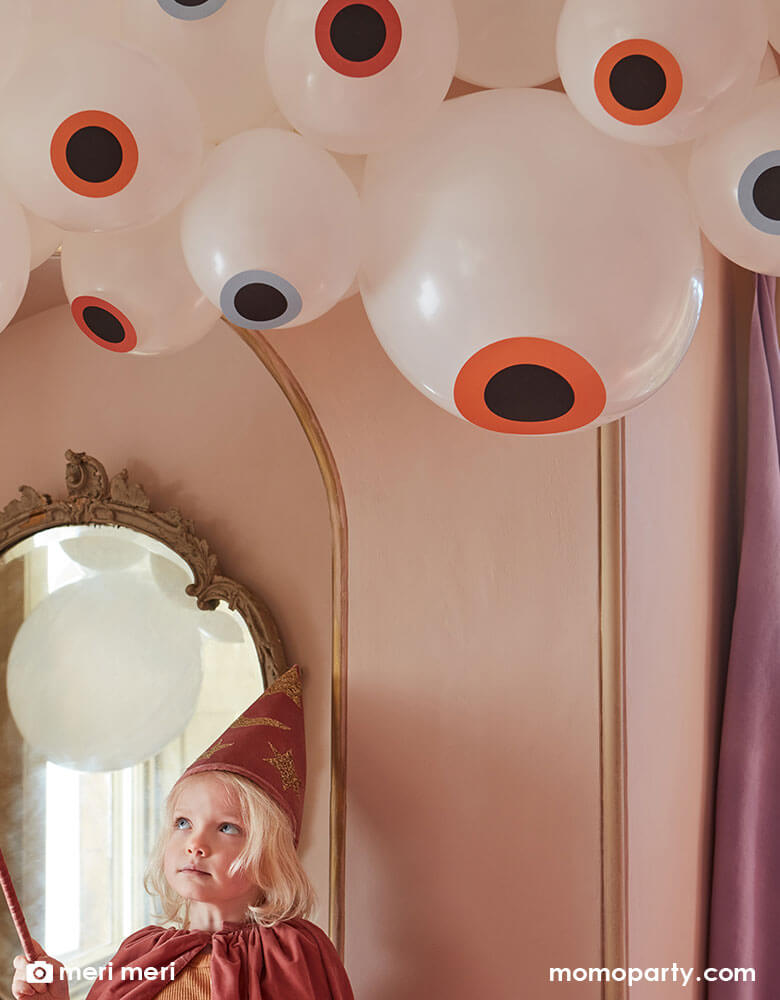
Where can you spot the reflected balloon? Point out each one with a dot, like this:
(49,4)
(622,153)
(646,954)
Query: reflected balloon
(98,136)
(216,48)
(271,236)
(531,287)
(101,553)
(359,77)
(660,72)
(735,183)
(221,626)
(172,580)
(84,681)
(507,44)
(131,291)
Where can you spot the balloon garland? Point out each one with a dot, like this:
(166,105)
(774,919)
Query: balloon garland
(527,259)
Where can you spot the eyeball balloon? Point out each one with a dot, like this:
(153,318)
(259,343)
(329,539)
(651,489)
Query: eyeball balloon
(216,47)
(524,271)
(14,257)
(58,21)
(360,77)
(44,239)
(97,135)
(271,236)
(14,35)
(131,291)
(660,72)
(773,8)
(735,183)
(507,44)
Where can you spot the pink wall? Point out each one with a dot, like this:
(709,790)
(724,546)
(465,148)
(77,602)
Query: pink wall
(473,852)
(681,516)
(473,782)
(208,431)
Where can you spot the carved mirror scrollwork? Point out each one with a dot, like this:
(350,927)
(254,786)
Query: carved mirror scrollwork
(93,498)
(123,653)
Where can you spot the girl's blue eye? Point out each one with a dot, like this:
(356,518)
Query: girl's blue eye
(178,821)
(232,826)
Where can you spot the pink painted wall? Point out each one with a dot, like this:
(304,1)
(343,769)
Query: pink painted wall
(681,518)
(208,431)
(473,775)
(473,823)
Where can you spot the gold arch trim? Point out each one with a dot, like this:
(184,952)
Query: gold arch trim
(337,509)
(612,692)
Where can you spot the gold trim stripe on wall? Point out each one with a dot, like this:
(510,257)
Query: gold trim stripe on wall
(612,684)
(315,435)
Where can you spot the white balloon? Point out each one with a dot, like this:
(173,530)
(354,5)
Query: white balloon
(216,47)
(354,167)
(14,36)
(357,78)
(221,625)
(523,270)
(660,72)
(102,553)
(271,236)
(507,43)
(14,257)
(45,237)
(58,22)
(773,9)
(101,675)
(172,580)
(735,183)
(97,135)
(131,291)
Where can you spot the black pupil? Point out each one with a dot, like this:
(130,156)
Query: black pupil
(104,325)
(260,302)
(528,392)
(191,3)
(637,82)
(766,193)
(358,32)
(94,154)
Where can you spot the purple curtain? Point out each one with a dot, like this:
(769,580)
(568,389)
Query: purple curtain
(745,911)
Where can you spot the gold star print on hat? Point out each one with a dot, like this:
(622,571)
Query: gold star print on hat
(285,765)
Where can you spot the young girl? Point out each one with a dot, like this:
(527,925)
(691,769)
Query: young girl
(225,867)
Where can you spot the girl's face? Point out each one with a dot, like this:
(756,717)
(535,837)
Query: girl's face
(207,835)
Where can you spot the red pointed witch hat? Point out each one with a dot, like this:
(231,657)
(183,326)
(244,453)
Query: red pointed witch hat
(266,744)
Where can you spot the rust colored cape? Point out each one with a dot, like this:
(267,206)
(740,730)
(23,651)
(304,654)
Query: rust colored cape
(294,960)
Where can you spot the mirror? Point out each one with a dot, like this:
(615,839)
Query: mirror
(123,655)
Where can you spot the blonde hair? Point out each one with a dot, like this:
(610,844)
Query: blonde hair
(269,858)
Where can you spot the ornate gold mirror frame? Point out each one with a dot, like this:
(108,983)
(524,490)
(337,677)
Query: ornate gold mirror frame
(94,498)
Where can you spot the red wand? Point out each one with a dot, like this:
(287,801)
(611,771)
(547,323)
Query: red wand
(16,911)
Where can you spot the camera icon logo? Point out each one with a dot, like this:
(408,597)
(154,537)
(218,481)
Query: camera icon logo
(39,972)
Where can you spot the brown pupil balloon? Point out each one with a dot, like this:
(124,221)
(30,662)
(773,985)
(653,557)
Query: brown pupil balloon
(528,392)
(358,32)
(94,154)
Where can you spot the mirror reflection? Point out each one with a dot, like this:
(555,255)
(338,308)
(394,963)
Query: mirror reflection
(113,682)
